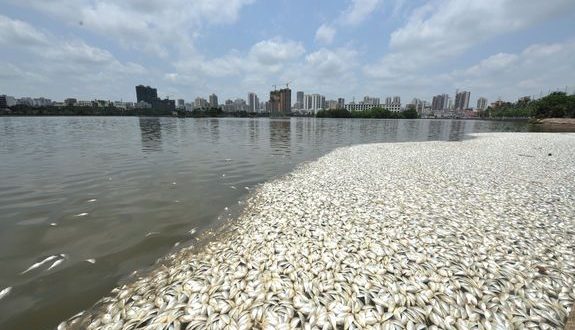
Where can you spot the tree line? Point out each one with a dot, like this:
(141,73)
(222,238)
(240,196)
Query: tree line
(376,112)
(26,110)
(554,105)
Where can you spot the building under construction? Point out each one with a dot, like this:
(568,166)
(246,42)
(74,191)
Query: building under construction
(280,102)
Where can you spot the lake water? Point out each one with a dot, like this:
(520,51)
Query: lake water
(124,190)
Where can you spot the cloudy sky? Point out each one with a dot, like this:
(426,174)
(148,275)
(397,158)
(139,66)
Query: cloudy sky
(346,48)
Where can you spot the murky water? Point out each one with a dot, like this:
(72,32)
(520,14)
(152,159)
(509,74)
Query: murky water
(123,191)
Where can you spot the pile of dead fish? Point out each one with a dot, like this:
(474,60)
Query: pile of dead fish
(453,235)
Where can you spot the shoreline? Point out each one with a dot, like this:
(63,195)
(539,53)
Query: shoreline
(359,238)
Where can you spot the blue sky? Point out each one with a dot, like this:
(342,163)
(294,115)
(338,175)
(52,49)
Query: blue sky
(349,48)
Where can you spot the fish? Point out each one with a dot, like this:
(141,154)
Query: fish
(152,233)
(82,214)
(40,263)
(53,224)
(91,260)
(55,264)
(193,230)
(5,292)
(92,200)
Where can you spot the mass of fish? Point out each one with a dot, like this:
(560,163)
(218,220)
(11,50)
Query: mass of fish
(435,235)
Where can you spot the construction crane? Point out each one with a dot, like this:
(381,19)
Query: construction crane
(287,84)
(275,87)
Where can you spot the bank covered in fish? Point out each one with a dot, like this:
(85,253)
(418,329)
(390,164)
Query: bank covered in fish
(473,234)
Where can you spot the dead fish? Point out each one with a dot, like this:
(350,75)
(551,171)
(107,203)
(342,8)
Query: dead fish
(5,292)
(56,263)
(91,260)
(82,214)
(40,263)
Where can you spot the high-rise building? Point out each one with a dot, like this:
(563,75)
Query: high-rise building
(316,102)
(299,100)
(396,101)
(388,101)
(3,103)
(340,103)
(253,102)
(146,94)
(181,104)
(462,100)
(371,100)
(280,101)
(213,100)
(481,103)
(200,103)
(440,102)
(149,95)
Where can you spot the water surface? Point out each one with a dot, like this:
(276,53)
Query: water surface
(143,184)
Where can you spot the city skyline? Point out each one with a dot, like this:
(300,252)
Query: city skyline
(496,49)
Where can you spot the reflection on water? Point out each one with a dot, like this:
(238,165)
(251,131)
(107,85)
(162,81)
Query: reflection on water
(280,136)
(151,131)
(142,184)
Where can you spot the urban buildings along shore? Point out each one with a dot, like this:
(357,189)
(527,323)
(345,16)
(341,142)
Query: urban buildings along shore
(279,103)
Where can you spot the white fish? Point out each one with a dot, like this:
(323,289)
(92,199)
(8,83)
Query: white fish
(226,208)
(53,224)
(40,263)
(228,159)
(5,292)
(152,233)
(82,214)
(174,182)
(176,244)
(177,201)
(91,260)
(56,263)
(247,188)
(92,200)
(193,231)
(233,187)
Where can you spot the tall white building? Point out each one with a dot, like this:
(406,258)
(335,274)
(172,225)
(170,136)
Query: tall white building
(313,103)
(481,103)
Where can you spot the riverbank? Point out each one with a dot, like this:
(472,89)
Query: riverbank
(556,124)
(473,233)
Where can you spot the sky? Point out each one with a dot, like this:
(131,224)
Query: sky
(102,49)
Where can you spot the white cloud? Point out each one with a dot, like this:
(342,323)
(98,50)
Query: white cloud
(51,62)
(506,75)
(359,10)
(154,26)
(274,51)
(325,34)
(442,30)
(537,66)
(19,33)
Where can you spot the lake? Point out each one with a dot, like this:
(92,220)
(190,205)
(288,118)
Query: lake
(124,190)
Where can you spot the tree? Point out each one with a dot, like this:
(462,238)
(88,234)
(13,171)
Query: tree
(556,105)
(410,113)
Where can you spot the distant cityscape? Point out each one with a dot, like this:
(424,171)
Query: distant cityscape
(279,103)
